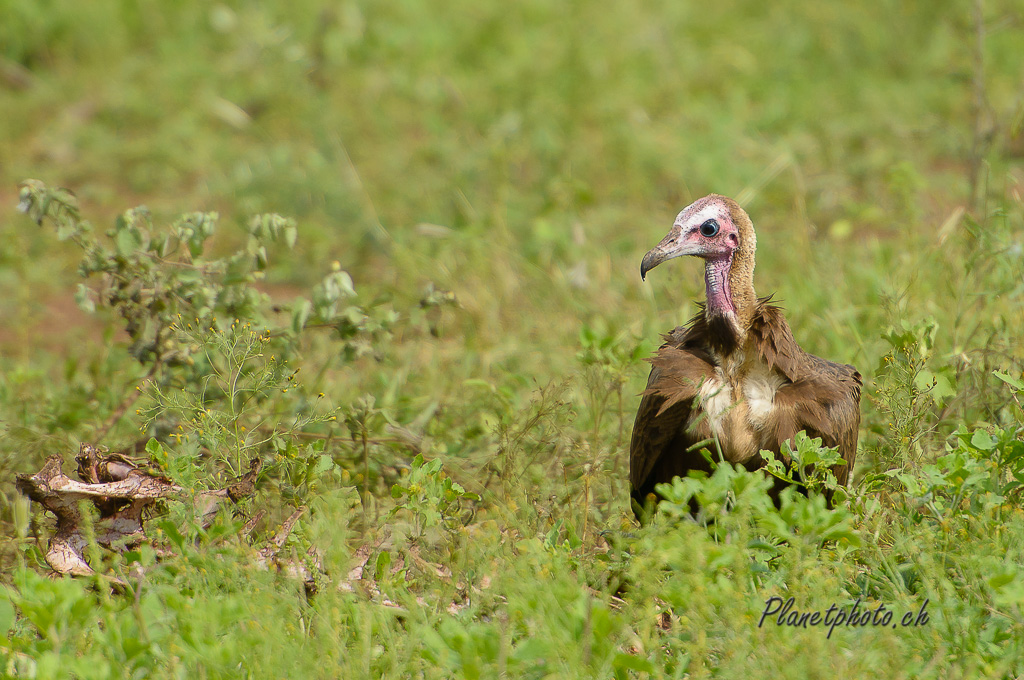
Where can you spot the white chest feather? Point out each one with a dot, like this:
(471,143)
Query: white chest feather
(759,388)
(715,398)
(751,386)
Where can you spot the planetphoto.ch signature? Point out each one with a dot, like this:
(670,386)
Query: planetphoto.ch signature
(782,613)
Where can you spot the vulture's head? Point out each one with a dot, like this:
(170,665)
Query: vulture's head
(713,228)
(716,229)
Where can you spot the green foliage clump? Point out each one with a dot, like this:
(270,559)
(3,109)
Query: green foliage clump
(431,499)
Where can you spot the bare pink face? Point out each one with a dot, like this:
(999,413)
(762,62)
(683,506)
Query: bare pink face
(704,229)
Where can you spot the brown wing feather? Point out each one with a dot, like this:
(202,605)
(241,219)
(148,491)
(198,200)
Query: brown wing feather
(775,341)
(661,438)
(826,404)
(822,398)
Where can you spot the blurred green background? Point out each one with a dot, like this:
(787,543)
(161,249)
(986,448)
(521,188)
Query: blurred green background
(524,156)
(552,141)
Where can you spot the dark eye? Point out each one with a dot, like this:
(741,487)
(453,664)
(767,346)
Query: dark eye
(710,228)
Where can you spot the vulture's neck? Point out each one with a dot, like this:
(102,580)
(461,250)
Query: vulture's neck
(730,282)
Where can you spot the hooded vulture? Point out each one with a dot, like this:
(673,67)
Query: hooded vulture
(733,376)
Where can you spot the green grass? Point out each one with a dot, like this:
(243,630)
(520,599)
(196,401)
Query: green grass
(524,157)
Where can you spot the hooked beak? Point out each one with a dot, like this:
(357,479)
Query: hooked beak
(670,247)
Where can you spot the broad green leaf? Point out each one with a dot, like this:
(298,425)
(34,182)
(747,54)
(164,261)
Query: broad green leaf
(382,564)
(300,314)
(1015,383)
(324,463)
(127,241)
(982,440)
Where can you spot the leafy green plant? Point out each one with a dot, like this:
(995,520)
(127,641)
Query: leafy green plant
(362,419)
(606,359)
(808,465)
(980,472)
(733,496)
(908,391)
(165,282)
(238,408)
(152,277)
(431,498)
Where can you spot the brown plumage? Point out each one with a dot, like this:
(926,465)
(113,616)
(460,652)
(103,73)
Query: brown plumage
(734,374)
